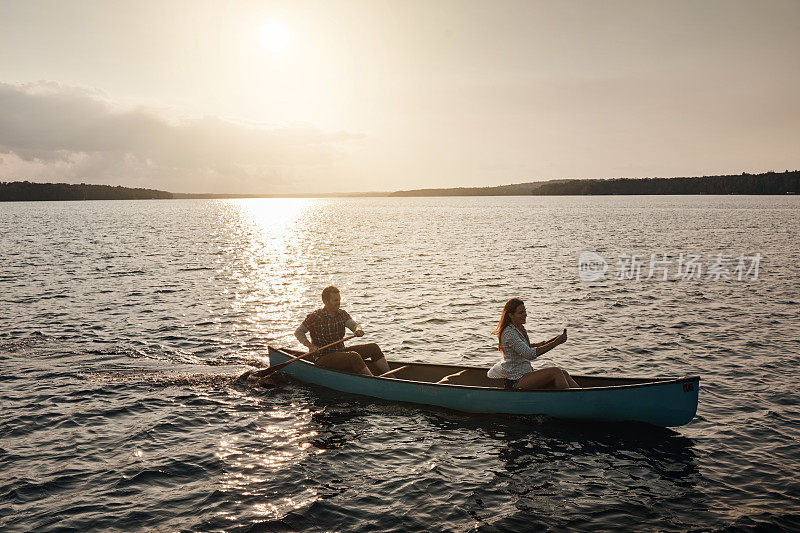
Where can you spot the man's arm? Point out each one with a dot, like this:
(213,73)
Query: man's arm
(355,327)
(300,335)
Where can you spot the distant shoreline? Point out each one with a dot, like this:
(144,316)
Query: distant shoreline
(768,183)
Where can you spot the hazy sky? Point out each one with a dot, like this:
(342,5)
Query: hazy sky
(257,96)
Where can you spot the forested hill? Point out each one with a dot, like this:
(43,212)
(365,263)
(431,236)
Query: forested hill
(24,191)
(518,189)
(767,183)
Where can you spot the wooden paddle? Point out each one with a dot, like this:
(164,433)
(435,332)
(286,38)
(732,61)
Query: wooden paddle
(266,372)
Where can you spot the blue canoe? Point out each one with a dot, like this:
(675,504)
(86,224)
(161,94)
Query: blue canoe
(664,402)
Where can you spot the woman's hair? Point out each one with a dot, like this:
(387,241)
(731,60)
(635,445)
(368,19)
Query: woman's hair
(505,318)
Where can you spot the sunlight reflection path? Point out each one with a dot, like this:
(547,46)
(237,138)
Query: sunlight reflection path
(253,464)
(270,266)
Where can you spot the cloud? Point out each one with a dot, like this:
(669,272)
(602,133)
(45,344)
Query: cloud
(81,134)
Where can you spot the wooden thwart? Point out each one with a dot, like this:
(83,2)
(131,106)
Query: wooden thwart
(447,378)
(399,368)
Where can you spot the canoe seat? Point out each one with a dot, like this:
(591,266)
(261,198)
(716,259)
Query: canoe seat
(450,378)
(390,372)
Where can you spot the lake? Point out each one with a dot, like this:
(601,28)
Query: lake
(124,325)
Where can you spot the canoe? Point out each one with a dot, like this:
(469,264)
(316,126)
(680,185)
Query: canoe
(666,402)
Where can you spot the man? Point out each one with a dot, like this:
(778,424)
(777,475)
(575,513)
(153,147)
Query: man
(326,325)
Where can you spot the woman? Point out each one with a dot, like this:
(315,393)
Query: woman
(518,352)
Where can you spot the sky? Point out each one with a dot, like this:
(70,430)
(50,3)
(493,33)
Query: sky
(375,95)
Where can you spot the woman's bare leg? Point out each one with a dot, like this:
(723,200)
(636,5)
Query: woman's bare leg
(546,378)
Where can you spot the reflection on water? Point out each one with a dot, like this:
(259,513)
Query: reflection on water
(267,264)
(283,505)
(252,465)
(559,470)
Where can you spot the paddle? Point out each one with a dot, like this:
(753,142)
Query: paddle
(270,370)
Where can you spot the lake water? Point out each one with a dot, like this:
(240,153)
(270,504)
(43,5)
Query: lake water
(124,324)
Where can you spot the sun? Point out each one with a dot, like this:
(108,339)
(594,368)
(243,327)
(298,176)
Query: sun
(274,37)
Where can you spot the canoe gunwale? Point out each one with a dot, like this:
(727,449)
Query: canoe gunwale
(647,382)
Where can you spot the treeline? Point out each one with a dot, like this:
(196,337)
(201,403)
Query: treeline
(767,183)
(517,189)
(26,191)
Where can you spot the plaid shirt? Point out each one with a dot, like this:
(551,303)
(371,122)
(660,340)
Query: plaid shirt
(325,329)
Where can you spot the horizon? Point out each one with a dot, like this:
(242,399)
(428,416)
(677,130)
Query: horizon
(354,96)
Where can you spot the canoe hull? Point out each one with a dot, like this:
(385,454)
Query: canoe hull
(665,403)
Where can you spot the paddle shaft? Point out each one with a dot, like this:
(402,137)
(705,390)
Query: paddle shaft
(275,368)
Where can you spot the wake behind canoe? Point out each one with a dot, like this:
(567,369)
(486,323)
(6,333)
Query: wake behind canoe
(664,402)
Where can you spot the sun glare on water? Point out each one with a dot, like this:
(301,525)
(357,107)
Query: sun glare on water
(274,37)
